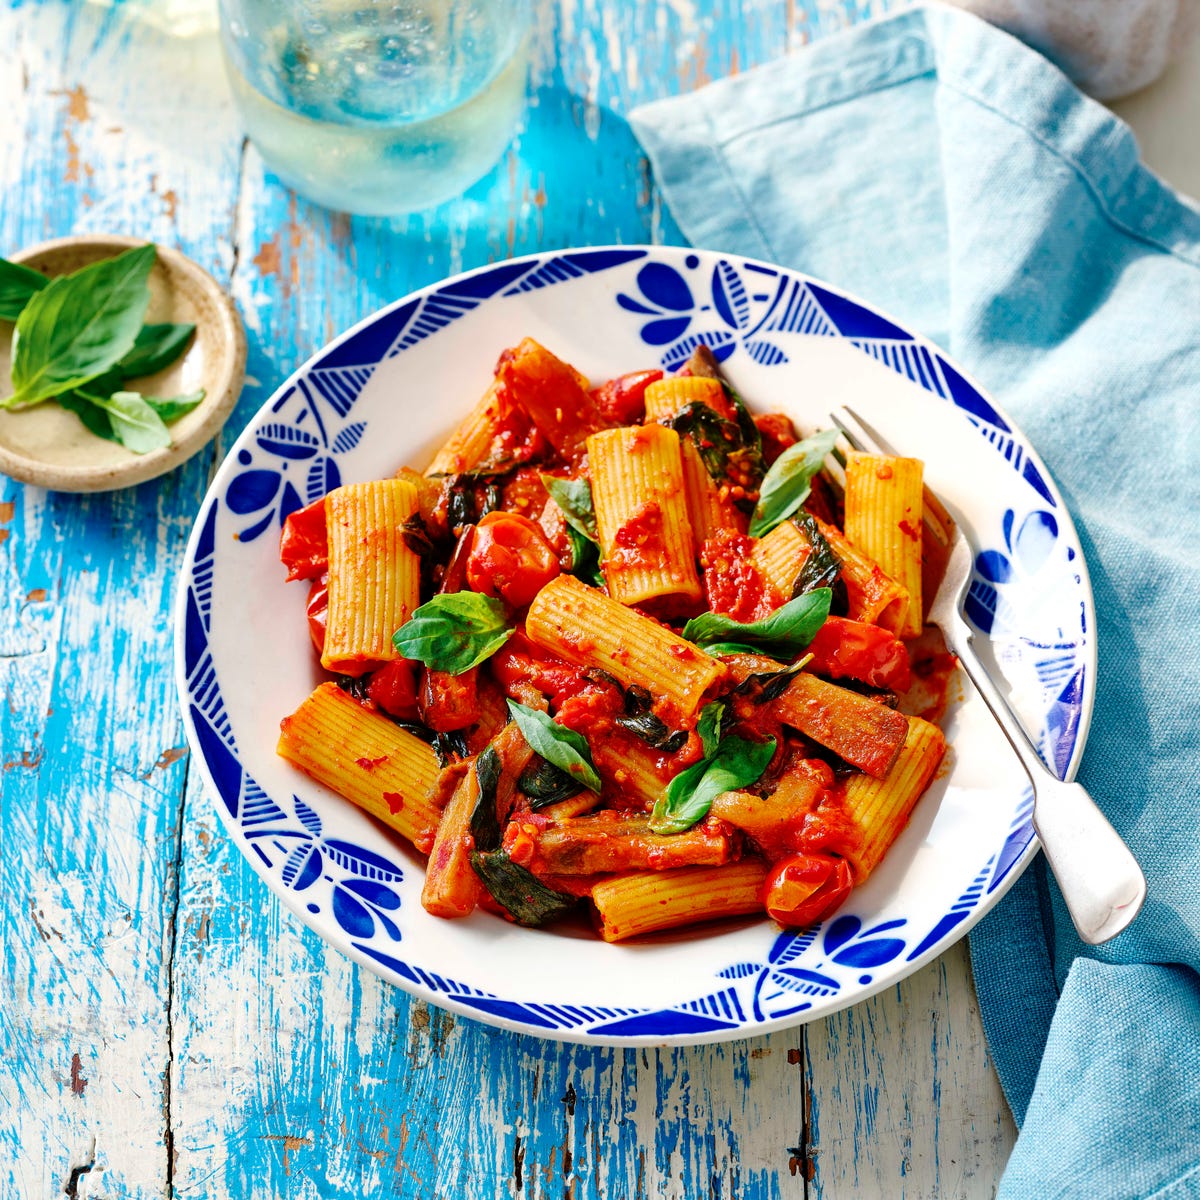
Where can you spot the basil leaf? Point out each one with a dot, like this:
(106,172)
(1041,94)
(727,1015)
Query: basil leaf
(519,891)
(574,497)
(822,568)
(789,481)
(134,423)
(585,558)
(709,726)
(485,821)
(689,796)
(557,744)
(170,408)
(546,784)
(155,347)
(784,633)
(715,438)
(94,418)
(78,326)
(17,286)
(453,632)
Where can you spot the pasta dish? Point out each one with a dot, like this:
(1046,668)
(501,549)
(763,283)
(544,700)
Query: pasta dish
(626,646)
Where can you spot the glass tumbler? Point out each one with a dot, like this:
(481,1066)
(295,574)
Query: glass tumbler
(377,106)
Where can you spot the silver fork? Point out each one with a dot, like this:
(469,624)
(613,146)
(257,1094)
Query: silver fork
(1100,880)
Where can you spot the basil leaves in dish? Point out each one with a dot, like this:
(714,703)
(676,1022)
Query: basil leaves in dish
(687,799)
(782,635)
(80,338)
(558,745)
(17,286)
(789,481)
(454,632)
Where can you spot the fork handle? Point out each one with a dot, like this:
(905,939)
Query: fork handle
(1100,880)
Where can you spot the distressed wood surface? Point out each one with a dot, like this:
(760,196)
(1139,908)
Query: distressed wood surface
(165,1027)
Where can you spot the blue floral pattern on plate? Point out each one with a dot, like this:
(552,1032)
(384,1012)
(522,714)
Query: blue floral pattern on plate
(294,453)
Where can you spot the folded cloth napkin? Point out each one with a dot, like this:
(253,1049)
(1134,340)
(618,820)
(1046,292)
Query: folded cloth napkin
(946,172)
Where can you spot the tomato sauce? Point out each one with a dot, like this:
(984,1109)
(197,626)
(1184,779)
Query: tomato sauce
(733,584)
(639,543)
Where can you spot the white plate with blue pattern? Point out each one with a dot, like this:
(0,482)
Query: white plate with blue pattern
(385,394)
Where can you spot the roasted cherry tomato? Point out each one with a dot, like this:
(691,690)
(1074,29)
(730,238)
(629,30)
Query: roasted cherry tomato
(519,661)
(845,649)
(623,400)
(394,688)
(511,558)
(806,888)
(317,611)
(303,546)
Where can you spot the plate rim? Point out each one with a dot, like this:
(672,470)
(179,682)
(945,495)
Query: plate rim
(439,999)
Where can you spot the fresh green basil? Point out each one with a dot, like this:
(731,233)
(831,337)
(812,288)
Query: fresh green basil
(557,744)
(95,419)
(93,406)
(17,286)
(519,891)
(709,726)
(171,408)
(789,481)
(78,326)
(134,423)
(155,347)
(781,635)
(454,632)
(585,558)
(574,497)
(688,798)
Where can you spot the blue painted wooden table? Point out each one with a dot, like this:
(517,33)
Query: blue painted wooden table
(165,1027)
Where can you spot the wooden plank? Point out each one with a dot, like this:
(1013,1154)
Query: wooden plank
(92,753)
(903,1098)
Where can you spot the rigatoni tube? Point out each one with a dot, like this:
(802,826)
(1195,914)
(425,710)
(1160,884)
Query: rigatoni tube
(374,578)
(649,553)
(884,507)
(590,629)
(366,758)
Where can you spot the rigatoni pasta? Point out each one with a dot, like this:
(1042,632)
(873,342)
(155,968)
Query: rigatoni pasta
(884,519)
(566,673)
(648,552)
(374,578)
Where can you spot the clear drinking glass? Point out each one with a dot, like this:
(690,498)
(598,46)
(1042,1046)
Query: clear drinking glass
(375,106)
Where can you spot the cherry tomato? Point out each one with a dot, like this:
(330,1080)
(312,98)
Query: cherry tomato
(394,688)
(511,558)
(303,545)
(855,650)
(623,400)
(317,611)
(806,888)
(519,661)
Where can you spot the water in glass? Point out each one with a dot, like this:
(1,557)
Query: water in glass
(377,107)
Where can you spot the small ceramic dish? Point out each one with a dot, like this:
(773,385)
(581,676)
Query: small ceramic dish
(49,446)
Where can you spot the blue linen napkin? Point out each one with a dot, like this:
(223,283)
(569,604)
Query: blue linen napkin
(944,171)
